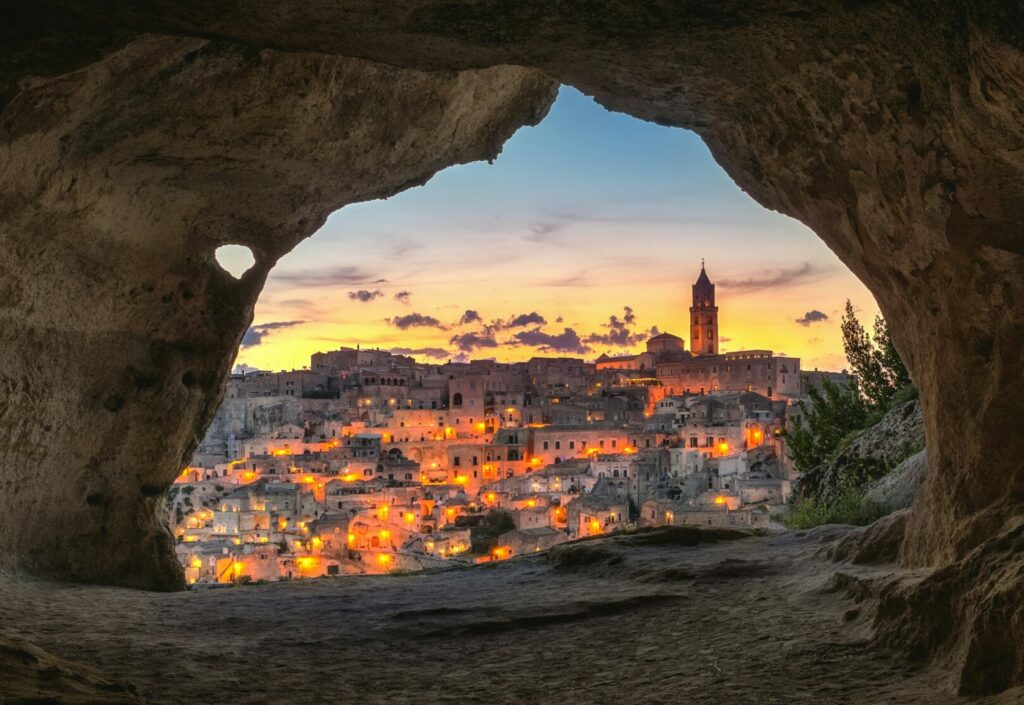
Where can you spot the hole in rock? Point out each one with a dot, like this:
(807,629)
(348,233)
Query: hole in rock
(598,332)
(236,260)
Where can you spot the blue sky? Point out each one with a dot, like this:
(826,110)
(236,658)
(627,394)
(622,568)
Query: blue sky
(584,215)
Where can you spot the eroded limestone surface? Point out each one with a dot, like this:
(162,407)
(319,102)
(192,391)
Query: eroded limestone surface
(894,130)
(119,182)
(754,621)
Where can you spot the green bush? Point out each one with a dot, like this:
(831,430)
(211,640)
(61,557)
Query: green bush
(873,418)
(903,395)
(850,508)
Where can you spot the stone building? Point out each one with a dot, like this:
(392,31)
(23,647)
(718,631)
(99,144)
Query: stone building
(703,316)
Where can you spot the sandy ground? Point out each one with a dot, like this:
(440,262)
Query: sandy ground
(733,623)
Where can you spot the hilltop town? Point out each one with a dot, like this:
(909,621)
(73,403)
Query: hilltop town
(372,462)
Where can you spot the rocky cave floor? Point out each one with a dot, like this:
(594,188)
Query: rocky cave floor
(638,619)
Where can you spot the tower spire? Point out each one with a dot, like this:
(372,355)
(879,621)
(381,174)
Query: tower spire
(703,316)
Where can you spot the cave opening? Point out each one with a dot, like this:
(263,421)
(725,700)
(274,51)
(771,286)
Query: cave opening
(578,245)
(135,147)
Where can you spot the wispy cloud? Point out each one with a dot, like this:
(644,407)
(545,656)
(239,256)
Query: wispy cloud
(329,276)
(578,279)
(400,249)
(545,232)
(785,277)
(403,297)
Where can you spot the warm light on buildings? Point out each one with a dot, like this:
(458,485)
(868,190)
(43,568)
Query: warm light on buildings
(719,500)
(481,427)
(500,553)
(723,447)
(384,558)
(409,517)
(197,563)
(306,562)
(351,539)
(595,525)
(461,479)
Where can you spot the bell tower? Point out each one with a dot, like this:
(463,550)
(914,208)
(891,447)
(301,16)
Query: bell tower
(703,316)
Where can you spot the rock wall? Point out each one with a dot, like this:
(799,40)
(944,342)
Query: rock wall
(899,489)
(893,129)
(872,454)
(119,181)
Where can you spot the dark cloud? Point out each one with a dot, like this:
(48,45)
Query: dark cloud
(403,297)
(619,332)
(329,276)
(436,353)
(812,316)
(416,320)
(468,342)
(470,316)
(566,342)
(803,273)
(525,319)
(559,319)
(255,335)
(365,295)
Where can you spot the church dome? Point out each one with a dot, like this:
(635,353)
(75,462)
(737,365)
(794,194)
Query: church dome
(665,342)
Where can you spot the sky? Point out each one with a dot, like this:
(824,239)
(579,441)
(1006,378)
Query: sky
(581,238)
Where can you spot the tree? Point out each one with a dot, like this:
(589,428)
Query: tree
(888,358)
(876,364)
(830,415)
